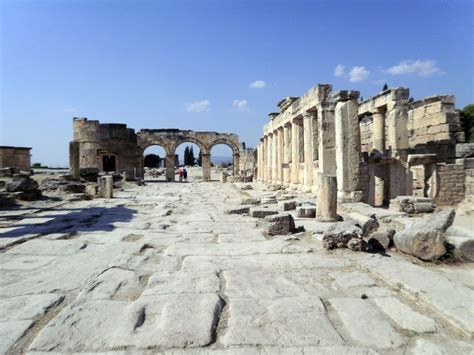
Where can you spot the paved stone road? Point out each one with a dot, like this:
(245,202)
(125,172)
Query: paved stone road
(162,267)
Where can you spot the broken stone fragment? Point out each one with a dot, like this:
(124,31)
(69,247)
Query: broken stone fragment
(239,210)
(21,183)
(340,234)
(246,187)
(268,200)
(368,224)
(287,205)
(426,238)
(462,247)
(306,211)
(250,201)
(262,212)
(381,240)
(279,224)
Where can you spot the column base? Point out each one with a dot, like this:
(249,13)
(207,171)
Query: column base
(325,220)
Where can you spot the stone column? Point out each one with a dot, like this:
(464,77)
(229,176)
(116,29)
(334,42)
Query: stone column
(378,127)
(347,144)
(206,167)
(397,124)
(326,204)
(295,158)
(326,139)
(379,187)
(269,159)
(308,118)
(236,163)
(280,150)
(286,154)
(169,162)
(264,158)
(275,158)
(106,186)
(74,160)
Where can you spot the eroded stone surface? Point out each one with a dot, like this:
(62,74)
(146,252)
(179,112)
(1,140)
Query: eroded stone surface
(162,267)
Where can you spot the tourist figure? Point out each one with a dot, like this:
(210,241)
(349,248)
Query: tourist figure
(180,174)
(185,175)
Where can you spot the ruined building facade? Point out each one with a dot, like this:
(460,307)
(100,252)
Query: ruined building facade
(15,157)
(380,148)
(115,147)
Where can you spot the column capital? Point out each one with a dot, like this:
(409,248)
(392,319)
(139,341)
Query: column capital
(376,111)
(346,95)
(325,106)
(309,115)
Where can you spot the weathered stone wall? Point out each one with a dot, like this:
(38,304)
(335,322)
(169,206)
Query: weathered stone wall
(469,177)
(434,120)
(383,147)
(248,161)
(451,179)
(15,157)
(97,140)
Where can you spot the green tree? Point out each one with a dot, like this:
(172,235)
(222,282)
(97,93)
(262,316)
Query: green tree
(467,122)
(191,159)
(152,161)
(186,155)
(385,87)
(199,159)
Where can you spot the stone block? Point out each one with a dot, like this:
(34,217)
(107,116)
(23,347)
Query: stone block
(306,211)
(426,238)
(238,210)
(287,205)
(262,212)
(279,224)
(462,247)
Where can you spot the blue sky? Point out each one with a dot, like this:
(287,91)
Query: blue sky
(191,64)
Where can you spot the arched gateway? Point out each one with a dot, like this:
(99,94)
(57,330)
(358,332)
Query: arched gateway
(115,147)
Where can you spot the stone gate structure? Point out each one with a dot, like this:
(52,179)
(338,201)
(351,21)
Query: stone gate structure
(380,148)
(115,147)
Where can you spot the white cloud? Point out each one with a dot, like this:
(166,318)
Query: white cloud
(258,84)
(358,74)
(339,71)
(241,105)
(421,67)
(70,110)
(198,106)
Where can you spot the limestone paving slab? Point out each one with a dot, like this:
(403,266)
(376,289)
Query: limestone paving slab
(365,325)
(165,270)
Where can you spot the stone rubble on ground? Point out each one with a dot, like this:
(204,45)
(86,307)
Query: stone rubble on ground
(166,268)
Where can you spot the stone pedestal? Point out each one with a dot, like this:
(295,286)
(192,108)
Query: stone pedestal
(206,167)
(106,186)
(326,208)
(170,160)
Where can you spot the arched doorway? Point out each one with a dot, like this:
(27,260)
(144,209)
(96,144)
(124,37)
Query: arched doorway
(154,163)
(222,160)
(189,159)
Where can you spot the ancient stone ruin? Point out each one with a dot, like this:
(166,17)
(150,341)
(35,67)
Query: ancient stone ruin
(372,151)
(107,147)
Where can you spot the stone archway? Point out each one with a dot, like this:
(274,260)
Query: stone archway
(170,139)
(235,152)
